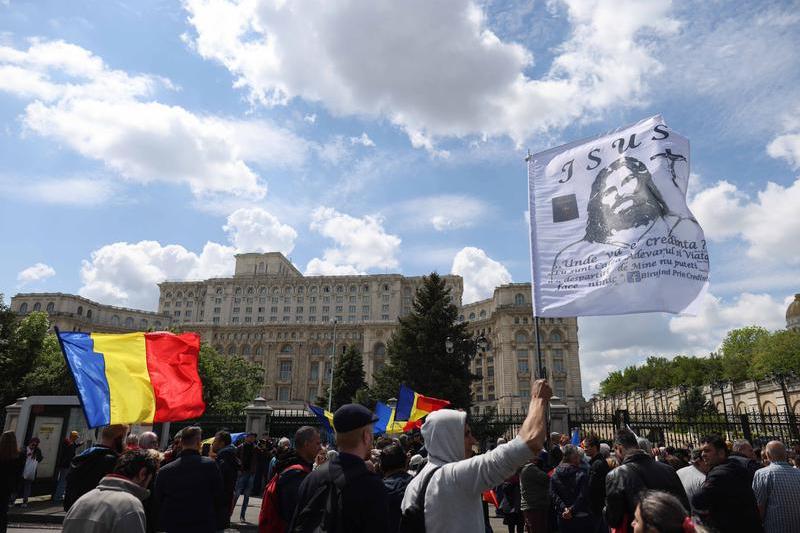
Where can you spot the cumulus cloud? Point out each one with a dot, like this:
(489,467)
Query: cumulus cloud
(480,272)
(110,116)
(34,273)
(786,147)
(460,79)
(256,230)
(768,224)
(363,140)
(361,243)
(126,274)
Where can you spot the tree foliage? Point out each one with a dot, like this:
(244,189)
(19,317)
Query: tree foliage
(229,383)
(348,377)
(746,353)
(417,355)
(21,342)
(49,375)
(694,404)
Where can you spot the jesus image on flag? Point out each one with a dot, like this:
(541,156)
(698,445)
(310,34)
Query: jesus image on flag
(611,232)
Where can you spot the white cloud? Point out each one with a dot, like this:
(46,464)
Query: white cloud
(256,230)
(480,272)
(769,224)
(311,119)
(363,140)
(34,273)
(786,147)
(361,243)
(321,267)
(109,116)
(460,79)
(72,191)
(126,274)
(442,212)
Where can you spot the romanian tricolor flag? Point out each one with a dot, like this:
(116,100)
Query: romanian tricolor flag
(324,416)
(135,377)
(386,422)
(412,406)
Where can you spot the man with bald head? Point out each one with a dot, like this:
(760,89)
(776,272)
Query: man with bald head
(777,491)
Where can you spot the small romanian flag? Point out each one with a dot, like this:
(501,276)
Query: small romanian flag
(135,377)
(412,406)
(324,416)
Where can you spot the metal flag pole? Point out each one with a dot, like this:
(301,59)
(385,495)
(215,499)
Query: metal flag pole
(333,361)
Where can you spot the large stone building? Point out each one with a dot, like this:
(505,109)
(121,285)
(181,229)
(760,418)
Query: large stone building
(271,314)
(69,312)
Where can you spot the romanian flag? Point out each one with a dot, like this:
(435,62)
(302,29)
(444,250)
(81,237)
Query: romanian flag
(386,420)
(324,416)
(412,406)
(135,377)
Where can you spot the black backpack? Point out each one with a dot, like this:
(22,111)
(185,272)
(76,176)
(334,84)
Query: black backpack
(413,519)
(323,513)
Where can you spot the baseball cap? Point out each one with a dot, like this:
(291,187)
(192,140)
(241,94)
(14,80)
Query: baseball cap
(352,416)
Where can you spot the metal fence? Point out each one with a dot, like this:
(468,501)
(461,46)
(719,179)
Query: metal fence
(664,429)
(280,423)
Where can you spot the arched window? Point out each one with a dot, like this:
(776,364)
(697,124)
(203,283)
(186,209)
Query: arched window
(156,325)
(238,291)
(257,352)
(472,316)
(179,294)
(190,294)
(37,306)
(50,307)
(262,291)
(231,350)
(741,408)
(519,299)
(483,313)
(555,336)
(23,308)
(521,337)
(287,290)
(262,266)
(300,290)
(143,324)
(315,349)
(251,290)
(115,320)
(245,351)
(796,408)
(129,322)
(287,348)
(379,350)
(168,294)
(80,310)
(353,288)
(769,408)
(89,313)
(219,290)
(313,290)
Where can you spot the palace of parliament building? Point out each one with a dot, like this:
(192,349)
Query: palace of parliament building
(270,313)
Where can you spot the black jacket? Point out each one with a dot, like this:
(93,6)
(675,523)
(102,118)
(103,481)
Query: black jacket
(598,469)
(751,465)
(395,490)
(568,489)
(189,494)
(10,476)
(288,485)
(229,466)
(86,471)
(726,500)
(66,453)
(363,499)
(625,484)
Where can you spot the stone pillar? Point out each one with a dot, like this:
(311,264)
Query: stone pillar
(13,412)
(257,414)
(559,416)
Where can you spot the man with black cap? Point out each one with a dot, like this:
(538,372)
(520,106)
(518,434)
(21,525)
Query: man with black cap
(363,506)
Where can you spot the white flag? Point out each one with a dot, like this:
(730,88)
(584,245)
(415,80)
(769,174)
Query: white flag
(611,233)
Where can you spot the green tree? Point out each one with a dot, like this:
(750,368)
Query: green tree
(417,354)
(229,383)
(738,350)
(20,343)
(694,404)
(777,353)
(348,377)
(49,375)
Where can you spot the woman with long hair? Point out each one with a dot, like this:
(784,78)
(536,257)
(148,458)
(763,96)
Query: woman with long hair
(11,464)
(661,512)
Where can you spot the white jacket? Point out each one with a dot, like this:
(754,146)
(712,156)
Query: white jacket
(453,498)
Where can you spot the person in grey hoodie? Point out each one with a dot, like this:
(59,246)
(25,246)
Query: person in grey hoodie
(452,501)
(115,506)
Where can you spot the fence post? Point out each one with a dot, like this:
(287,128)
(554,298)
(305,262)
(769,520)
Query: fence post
(745,421)
(257,416)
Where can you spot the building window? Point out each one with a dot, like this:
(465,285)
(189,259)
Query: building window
(560,388)
(283,394)
(285,371)
(50,307)
(24,308)
(115,319)
(555,337)
(519,299)
(490,372)
(384,317)
(237,309)
(248,319)
(248,310)
(522,366)
(235,320)
(521,338)
(472,316)
(215,320)
(524,388)
(483,313)
(313,374)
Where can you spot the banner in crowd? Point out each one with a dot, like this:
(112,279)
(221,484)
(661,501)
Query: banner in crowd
(412,406)
(610,229)
(135,377)
(324,416)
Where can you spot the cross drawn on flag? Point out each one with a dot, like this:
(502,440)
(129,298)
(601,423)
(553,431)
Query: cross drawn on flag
(135,377)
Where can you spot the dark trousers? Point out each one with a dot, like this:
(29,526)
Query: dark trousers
(536,521)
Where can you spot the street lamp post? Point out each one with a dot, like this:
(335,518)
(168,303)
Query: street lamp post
(333,361)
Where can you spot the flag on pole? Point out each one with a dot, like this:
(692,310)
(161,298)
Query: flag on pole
(385,415)
(576,437)
(135,377)
(412,406)
(324,416)
(610,229)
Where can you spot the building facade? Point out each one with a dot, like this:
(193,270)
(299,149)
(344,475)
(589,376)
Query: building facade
(270,313)
(509,363)
(69,312)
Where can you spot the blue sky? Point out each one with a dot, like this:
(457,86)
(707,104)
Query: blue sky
(151,139)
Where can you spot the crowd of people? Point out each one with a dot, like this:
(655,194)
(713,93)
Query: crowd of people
(434,480)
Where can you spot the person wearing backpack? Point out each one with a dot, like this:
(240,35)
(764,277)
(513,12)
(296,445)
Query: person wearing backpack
(446,495)
(342,495)
(292,467)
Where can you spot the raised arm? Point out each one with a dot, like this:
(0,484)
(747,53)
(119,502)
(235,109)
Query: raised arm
(534,429)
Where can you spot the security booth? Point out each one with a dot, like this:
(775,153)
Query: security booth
(51,419)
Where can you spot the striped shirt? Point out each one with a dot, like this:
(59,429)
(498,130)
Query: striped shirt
(777,491)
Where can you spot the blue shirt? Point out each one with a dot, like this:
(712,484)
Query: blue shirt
(777,491)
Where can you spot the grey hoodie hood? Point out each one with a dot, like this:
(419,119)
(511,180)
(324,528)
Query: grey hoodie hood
(443,432)
(116,483)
